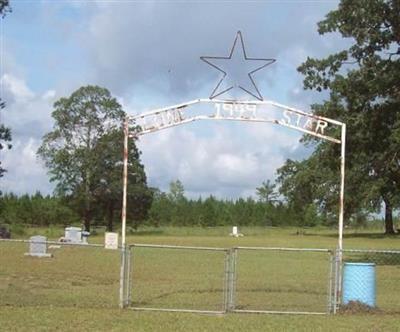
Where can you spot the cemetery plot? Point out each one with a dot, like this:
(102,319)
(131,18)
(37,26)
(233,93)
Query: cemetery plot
(76,276)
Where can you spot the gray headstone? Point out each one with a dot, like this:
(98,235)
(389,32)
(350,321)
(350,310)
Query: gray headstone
(38,246)
(73,234)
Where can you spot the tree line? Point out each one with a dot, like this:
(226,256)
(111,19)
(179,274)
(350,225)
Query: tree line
(173,208)
(170,208)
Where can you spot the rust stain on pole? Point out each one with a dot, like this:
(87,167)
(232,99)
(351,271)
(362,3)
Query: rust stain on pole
(122,283)
(341,209)
(125,181)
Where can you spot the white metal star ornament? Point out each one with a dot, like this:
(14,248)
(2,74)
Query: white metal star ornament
(229,81)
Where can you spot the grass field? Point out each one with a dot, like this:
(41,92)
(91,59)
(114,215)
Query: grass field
(77,290)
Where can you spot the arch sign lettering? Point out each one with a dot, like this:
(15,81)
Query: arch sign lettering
(250,111)
(234,108)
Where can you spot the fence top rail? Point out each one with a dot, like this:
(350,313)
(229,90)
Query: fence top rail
(275,312)
(284,249)
(53,242)
(378,251)
(178,310)
(142,245)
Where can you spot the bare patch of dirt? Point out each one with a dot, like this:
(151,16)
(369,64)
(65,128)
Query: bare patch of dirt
(356,307)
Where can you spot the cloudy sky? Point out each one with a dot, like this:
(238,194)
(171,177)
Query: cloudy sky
(147,54)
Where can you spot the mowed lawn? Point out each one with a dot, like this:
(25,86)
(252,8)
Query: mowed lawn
(77,289)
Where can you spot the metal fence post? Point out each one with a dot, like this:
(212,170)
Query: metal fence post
(121,280)
(331,282)
(226,289)
(338,280)
(232,280)
(127,276)
(124,277)
(130,275)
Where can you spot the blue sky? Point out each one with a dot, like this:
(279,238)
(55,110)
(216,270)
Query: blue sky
(147,54)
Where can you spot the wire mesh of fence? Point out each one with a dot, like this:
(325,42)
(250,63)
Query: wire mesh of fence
(283,280)
(74,276)
(370,281)
(178,278)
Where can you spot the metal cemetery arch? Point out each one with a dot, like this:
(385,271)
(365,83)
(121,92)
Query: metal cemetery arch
(234,110)
(138,125)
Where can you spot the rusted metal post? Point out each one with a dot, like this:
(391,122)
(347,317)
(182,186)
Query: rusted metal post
(125,182)
(341,209)
(123,217)
(342,173)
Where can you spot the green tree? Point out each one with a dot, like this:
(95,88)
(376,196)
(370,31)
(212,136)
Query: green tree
(296,185)
(176,191)
(4,7)
(363,83)
(108,193)
(5,139)
(71,150)
(178,201)
(209,212)
(266,193)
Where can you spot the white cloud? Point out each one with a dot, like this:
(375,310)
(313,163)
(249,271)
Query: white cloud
(157,45)
(49,95)
(25,174)
(16,87)
(229,162)
(28,116)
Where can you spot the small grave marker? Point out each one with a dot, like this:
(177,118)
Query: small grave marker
(73,235)
(235,232)
(38,247)
(111,241)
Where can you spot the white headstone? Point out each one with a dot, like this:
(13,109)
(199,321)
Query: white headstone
(73,234)
(234,231)
(111,240)
(38,247)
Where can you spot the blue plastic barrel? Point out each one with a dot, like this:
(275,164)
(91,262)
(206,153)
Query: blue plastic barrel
(359,283)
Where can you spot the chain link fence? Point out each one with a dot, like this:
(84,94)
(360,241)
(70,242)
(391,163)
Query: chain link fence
(370,281)
(199,279)
(75,276)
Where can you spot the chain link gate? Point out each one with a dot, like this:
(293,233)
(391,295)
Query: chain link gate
(218,280)
(177,278)
(282,280)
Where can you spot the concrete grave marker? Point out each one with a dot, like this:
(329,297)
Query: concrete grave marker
(235,232)
(38,247)
(111,241)
(73,235)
